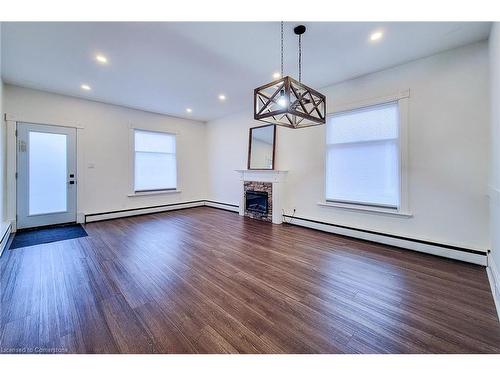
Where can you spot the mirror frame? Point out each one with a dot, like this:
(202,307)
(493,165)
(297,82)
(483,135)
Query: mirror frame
(250,147)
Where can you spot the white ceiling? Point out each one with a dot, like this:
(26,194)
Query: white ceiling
(167,67)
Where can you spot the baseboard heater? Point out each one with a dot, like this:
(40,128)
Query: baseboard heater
(222,206)
(109,215)
(5,235)
(448,251)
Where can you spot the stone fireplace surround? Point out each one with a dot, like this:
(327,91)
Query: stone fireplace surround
(270,181)
(260,186)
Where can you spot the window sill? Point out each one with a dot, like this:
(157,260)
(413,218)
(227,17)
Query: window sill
(366,209)
(141,193)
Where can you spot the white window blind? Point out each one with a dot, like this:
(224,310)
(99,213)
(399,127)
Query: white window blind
(155,161)
(362,161)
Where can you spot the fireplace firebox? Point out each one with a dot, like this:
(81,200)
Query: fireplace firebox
(256,201)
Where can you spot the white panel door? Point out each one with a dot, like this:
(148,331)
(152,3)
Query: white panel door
(46,175)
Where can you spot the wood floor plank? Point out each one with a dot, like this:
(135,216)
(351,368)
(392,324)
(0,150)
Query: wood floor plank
(128,331)
(209,281)
(166,336)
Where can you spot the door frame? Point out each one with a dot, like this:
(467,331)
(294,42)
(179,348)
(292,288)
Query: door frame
(25,218)
(11,137)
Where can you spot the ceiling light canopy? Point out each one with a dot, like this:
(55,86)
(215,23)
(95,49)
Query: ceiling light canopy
(288,102)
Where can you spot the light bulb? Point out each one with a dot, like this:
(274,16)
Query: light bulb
(282,101)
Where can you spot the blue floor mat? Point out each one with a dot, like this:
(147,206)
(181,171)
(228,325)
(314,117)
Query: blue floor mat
(46,235)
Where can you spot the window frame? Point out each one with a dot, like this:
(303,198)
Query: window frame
(402,100)
(133,191)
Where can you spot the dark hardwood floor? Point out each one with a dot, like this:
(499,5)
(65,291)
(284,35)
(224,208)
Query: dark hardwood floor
(209,281)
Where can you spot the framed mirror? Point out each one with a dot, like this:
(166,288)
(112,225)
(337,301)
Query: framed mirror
(261,147)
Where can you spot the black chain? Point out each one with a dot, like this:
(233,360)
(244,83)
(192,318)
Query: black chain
(300,54)
(281,49)
(300,58)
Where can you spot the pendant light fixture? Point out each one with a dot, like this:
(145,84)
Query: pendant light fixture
(288,102)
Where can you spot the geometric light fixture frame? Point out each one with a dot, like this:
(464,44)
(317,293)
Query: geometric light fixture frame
(288,102)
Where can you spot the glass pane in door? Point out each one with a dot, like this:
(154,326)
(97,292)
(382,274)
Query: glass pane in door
(47,173)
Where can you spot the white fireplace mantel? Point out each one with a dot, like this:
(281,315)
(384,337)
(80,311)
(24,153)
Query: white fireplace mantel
(262,175)
(276,177)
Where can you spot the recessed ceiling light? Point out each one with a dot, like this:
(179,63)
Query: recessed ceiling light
(277,75)
(102,59)
(222,97)
(377,35)
(189,110)
(85,87)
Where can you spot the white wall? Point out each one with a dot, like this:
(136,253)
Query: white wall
(448,150)
(2,148)
(105,144)
(495,143)
(227,144)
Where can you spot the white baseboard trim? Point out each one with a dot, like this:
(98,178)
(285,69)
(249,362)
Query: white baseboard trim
(476,257)
(5,230)
(88,218)
(223,206)
(494,279)
(141,211)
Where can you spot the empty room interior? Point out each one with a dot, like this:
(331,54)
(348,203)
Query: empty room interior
(250,187)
